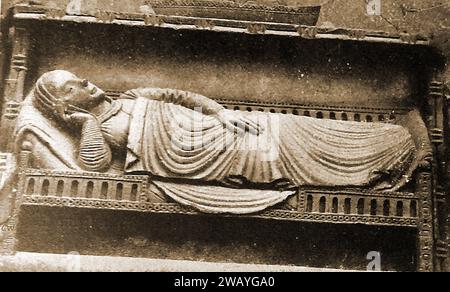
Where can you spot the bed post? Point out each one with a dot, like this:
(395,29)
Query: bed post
(442,45)
(14,85)
(13,93)
(8,244)
(446,178)
(437,133)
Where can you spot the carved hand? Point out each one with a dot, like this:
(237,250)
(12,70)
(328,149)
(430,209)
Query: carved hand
(94,152)
(425,158)
(235,122)
(78,118)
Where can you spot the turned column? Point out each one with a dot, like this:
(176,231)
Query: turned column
(437,102)
(14,86)
(441,42)
(446,242)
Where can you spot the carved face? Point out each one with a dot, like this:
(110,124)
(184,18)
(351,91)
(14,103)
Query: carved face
(73,90)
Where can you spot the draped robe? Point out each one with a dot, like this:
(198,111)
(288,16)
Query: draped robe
(171,141)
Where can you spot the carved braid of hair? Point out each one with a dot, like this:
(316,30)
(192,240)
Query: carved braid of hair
(95,153)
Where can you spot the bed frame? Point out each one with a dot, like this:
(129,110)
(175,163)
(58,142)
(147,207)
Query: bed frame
(319,205)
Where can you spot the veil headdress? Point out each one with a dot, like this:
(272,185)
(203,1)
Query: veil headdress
(48,102)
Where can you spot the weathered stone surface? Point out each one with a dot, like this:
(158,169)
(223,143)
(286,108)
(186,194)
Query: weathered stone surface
(213,239)
(406,16)
(33,262)
(356,80)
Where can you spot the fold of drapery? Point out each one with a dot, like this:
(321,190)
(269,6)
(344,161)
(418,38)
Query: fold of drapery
(62,145)
(222,200)
(167,140)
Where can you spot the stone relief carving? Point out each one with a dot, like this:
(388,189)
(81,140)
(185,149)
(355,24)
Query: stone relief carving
(271,11)
(185,138)
(192,156)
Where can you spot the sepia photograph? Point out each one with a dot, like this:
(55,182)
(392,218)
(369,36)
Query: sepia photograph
(224,143)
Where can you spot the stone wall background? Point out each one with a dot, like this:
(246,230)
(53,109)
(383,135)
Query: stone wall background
(411,16)
(428,17)
(233,66)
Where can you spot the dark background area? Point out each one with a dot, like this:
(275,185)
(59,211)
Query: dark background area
(235,66)
(214,239)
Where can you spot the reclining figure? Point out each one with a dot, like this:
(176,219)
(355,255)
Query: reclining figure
(185,137)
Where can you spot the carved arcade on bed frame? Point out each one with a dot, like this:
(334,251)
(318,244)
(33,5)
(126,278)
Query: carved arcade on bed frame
(421,206)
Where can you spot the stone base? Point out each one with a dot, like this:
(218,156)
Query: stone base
(35,262)
(212,239)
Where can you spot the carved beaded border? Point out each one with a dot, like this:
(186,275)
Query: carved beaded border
(178,209)
(426,236)
(84,175)
(339,218)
